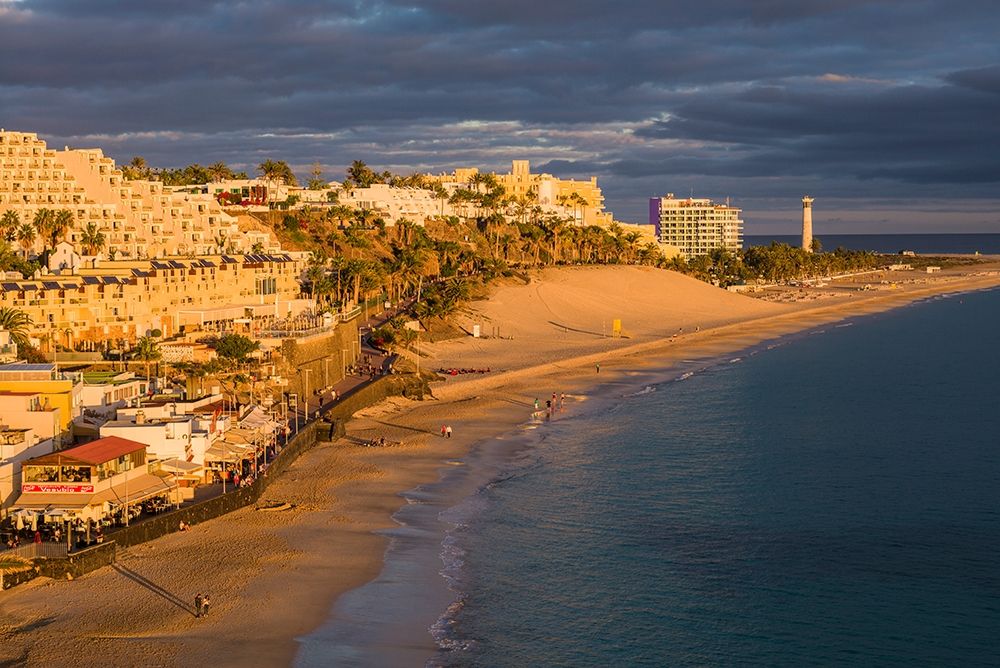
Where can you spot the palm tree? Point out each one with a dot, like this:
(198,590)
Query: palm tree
(137,168)
(276,171)
(459,199)
(440,193)
(554,227)
(579,201)
(61,223)
(92,238)
(51,225)
(42,222)
(9,223)
(16,323)
(341,213)
(148,351)
(26,238)
(219,171)
(631,239)
(360,174)
(314,273)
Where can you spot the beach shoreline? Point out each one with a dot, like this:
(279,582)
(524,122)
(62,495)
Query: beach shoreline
(275,577)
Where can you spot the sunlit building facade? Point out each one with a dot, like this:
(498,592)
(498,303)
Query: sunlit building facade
(138,218)
(695,226)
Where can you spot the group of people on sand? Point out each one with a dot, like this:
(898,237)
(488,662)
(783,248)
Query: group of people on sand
(446,431)
(201,603)
(551,405)
(457,372)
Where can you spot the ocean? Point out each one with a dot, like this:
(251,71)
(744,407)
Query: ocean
(828,498)
(927,244)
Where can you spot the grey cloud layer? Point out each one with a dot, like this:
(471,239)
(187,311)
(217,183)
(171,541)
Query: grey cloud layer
(756,99)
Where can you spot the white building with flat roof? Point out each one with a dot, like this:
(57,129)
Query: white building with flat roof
(696,226)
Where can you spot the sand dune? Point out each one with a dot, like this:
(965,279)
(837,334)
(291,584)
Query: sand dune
(569,311)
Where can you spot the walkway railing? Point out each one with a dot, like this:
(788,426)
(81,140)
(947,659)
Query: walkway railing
(344,316)
(38,551)
(295,333)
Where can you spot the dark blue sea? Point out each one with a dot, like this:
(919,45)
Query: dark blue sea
(827,499)
(927,244)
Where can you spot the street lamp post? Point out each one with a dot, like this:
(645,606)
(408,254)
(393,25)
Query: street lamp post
(305,401)
(126,497)
(225,473)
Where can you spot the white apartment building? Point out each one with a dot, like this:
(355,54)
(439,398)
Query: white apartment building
(138,218)
(394,204)
(17,444)
(695,226)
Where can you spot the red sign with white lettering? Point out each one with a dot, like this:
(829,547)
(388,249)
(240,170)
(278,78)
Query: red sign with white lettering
(57,488)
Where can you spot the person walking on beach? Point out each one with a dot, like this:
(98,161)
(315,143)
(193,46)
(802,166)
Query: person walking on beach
(598,368)
(536,403)
(199,600)
(448,431)
(444,431)
(205,602)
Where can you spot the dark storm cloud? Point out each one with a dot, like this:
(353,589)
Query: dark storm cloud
(753,99)
(921,134)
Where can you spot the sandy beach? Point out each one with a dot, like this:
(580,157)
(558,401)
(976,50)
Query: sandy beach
(274,576)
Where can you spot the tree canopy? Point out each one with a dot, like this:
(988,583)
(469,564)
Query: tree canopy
(193,174)
(235,347)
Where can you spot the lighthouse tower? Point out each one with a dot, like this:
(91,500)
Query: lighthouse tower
(807,223)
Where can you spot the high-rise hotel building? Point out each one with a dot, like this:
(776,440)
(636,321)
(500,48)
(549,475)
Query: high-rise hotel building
(695,226)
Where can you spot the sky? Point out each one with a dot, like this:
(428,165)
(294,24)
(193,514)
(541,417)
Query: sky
(887,112)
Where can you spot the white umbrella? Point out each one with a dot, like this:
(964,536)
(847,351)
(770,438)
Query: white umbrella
(20,522)
(34,522)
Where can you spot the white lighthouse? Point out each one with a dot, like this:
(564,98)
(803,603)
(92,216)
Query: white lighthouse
(807,224)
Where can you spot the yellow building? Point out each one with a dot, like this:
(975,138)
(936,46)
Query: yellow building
(139,219)
(124,300)
(582,201)
(53,397)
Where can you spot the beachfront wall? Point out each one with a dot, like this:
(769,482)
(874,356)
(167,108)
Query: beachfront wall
(78,563)
(319,360)
(167,523)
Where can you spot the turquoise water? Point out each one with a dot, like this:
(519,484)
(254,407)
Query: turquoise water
(833,500)
(828,499)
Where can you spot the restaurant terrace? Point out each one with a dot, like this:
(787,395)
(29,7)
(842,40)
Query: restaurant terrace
(103,478)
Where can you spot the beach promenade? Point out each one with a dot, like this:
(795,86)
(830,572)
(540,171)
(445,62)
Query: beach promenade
(273,576)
